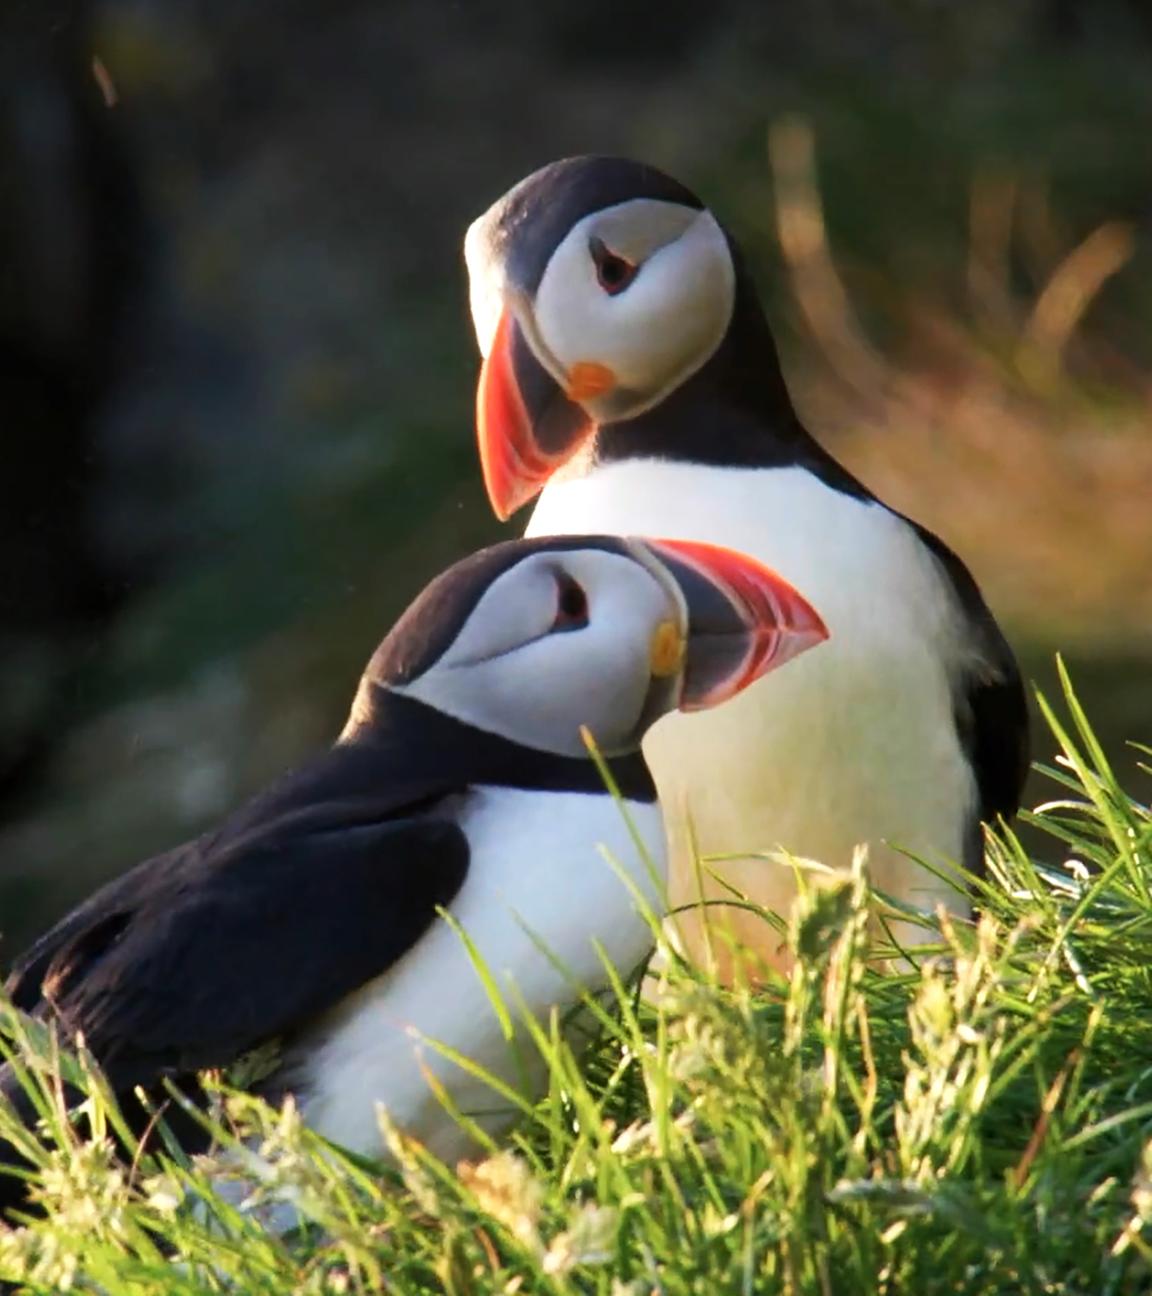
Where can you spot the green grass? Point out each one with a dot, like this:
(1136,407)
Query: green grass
(980,1123)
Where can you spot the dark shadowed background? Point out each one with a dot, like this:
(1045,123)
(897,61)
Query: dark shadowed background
(236,367)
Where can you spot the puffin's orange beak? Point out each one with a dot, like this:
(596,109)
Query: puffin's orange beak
(744,620)
(527,426)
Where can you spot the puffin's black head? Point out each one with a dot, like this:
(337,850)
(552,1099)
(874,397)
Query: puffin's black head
(598,287)
(533,639)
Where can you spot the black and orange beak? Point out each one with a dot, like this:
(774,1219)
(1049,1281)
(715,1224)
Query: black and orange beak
(527,424)
(743,619)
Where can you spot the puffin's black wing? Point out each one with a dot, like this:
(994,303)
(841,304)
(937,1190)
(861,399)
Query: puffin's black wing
(23,985)
(990,702)
(199,955)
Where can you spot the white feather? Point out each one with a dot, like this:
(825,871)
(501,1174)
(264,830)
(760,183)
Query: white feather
(537,880)
(855,741)
(667,324)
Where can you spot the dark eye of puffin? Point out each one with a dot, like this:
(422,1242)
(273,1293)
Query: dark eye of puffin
(613,272)
(571,604)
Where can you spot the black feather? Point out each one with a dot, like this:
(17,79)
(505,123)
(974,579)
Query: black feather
(989,703)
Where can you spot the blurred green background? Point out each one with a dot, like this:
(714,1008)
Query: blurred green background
(236,367)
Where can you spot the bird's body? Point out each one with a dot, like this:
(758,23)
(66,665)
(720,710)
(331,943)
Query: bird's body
(630,375)
(309,928)
(518,868)
(515,901)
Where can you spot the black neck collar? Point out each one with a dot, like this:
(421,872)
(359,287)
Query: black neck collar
(430,742)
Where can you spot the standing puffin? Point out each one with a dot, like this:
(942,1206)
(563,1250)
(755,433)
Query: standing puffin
(309,920)
(630,372)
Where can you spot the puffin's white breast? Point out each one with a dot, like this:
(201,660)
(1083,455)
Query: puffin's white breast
(853,742)
(537,881)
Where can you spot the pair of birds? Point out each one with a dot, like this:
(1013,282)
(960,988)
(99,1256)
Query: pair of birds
(630,374)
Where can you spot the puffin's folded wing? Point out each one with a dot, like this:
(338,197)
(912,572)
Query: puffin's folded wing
(228,944)
(998,739)
(991,703)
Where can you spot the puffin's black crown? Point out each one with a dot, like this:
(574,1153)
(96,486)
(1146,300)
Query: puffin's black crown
(435,618)
(527,225)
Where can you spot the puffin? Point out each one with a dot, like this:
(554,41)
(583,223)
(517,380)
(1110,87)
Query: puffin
(336,926)
(631,380)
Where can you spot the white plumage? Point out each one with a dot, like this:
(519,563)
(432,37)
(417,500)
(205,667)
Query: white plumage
(517,900)
(783,764)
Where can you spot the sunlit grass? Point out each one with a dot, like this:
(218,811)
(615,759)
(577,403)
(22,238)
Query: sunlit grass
(980,1123)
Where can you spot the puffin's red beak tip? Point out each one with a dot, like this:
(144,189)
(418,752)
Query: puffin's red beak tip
(759,622)
(503,429)
(527,426)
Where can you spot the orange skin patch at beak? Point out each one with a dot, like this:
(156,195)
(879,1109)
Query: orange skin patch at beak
(666,653)
(588,379)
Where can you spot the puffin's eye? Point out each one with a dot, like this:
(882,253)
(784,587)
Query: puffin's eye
(613,272)
(571,604)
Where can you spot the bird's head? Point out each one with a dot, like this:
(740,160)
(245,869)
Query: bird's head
(534,639)
(598,286)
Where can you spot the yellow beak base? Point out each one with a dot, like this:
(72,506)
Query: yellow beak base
(666,654)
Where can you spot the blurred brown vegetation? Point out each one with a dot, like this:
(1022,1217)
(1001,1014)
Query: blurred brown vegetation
(236,367)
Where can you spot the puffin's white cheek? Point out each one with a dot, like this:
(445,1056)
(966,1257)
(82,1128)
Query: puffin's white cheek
(589,689)
(653,335)
(572,311)
(627,334)
(680,314)
(664,333)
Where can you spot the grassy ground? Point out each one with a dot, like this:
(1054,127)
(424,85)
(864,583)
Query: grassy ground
(980,1123)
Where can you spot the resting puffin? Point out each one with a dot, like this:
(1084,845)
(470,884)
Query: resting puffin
(630,372)
(461,781)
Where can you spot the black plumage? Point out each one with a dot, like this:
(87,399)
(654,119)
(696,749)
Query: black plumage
(989,703)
